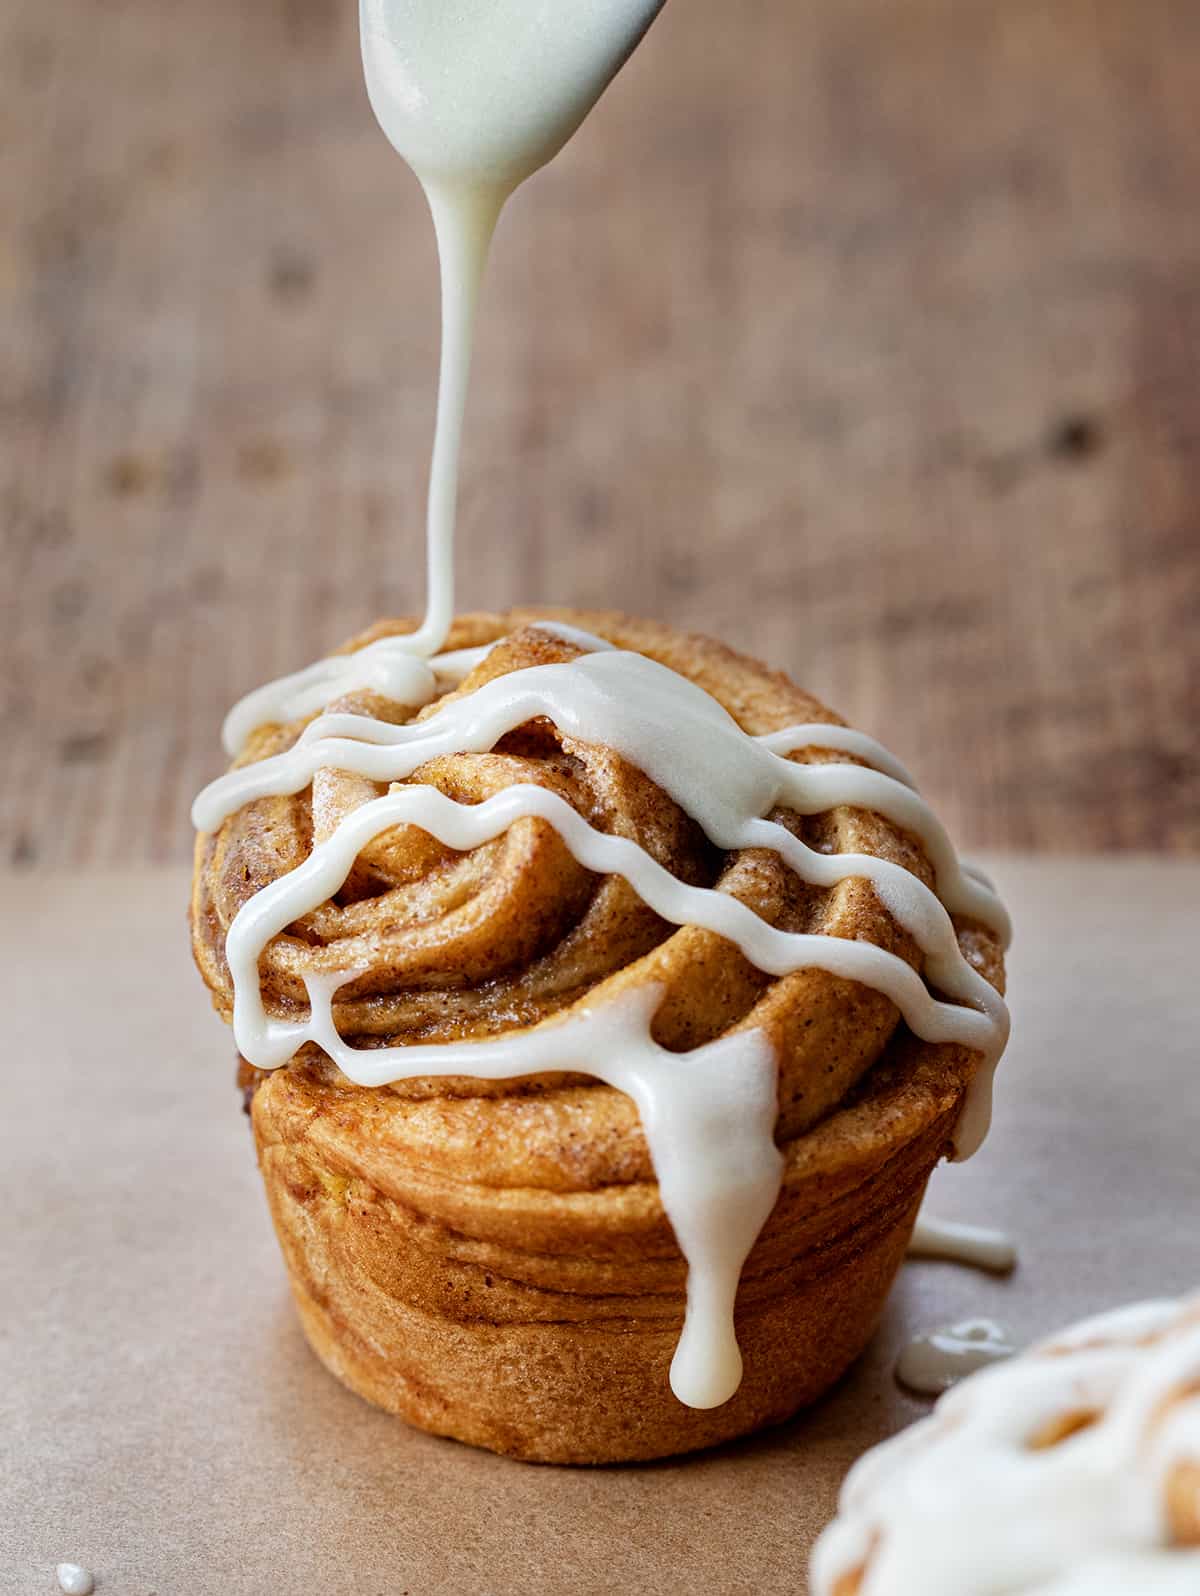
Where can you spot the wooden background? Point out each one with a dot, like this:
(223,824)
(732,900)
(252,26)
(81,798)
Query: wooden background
(865,333)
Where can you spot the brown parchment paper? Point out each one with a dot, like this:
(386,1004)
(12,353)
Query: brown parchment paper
(162,1421)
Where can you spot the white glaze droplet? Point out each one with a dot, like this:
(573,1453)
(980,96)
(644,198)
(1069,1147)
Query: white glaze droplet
(937,1359)
(73,1580)
(974,1245)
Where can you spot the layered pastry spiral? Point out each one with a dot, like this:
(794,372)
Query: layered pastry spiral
(488,1253)
(1073,1470)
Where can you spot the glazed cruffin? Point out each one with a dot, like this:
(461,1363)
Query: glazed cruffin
(491,1259)
(1072,1469)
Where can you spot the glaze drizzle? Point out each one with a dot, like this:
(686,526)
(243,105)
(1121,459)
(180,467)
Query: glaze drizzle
(727,781)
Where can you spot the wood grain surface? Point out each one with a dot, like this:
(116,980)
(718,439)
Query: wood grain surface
(863,333)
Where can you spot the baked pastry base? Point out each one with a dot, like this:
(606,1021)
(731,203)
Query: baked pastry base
(542,1325)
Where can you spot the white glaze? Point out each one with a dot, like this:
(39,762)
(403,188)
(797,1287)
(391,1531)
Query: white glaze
(961,1504)
(481,93)
(937,1359)
(669,728)
(689,745)
(74,1580)
(974,1245)
(387,667)
(476,96)
(268,1042)
(710,1128)
(666,726)
(1152,1574)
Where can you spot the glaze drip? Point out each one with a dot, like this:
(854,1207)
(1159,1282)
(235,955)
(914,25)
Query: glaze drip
(476,97)
(710,1127)
(973,1245)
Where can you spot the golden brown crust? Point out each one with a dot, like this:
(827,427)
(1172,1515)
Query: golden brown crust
(447,1237)
(1183,1503)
